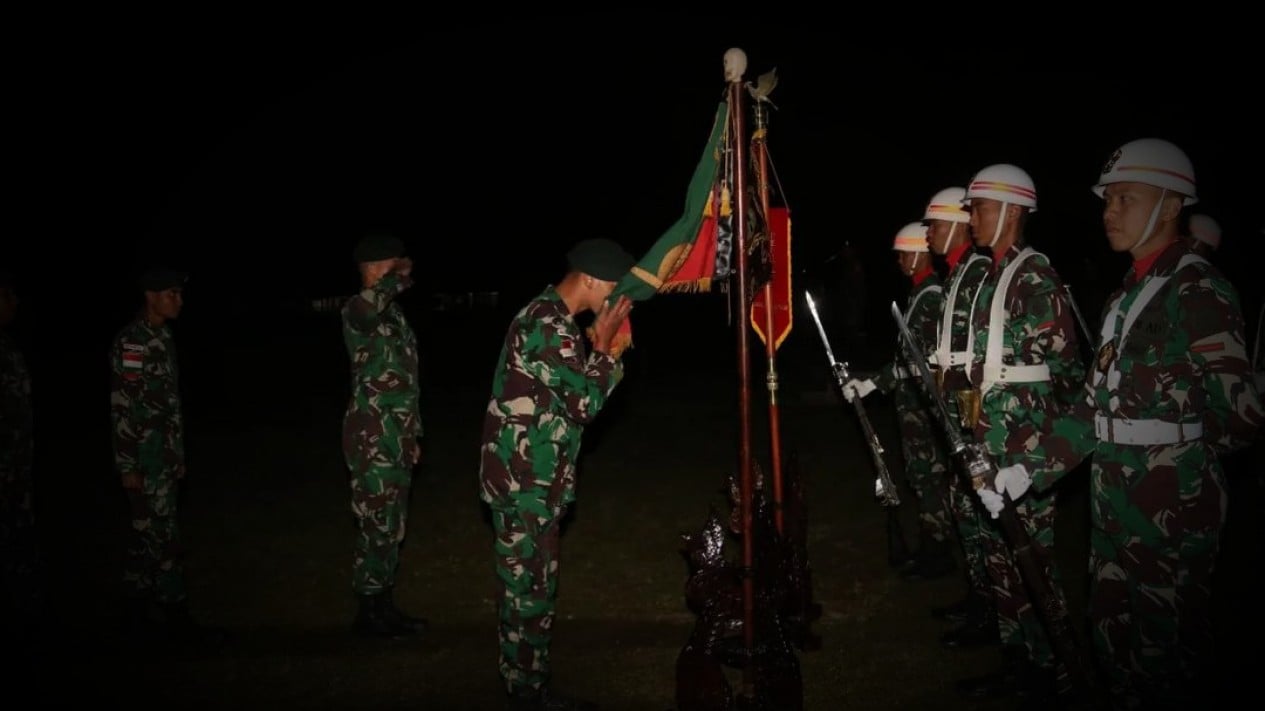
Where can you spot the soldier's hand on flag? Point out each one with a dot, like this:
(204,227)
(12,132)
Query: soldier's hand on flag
(607,323)
(132,481)
(857,388)
(415,453)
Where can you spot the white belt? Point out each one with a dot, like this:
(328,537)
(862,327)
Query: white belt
(1121,431)
(1017,373)
(948,359)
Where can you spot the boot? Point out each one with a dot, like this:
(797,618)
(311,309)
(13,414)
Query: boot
(1007,680)
(975,606)
(397,618)
(544,699)
(371,620)
(979,628)
(934,560)
(953,612)
(897,550)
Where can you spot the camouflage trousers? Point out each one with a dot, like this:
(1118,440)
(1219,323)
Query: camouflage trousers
(926,467)
(527,584)
(1018,620)
(379,501)
(1157,515)
(969,521)
(154,564)
(19,550)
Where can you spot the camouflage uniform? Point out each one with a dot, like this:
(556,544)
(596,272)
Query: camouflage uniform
(1156,413)
(1016,409)
(380,428)
(545,389)
(18,574)
(926,462)
(149,441)
(965,278)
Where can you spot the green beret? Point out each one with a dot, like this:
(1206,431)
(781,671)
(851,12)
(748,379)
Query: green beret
(162,279)
(376,247)
(600,258)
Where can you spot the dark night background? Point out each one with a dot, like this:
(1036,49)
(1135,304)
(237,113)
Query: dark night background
(255,159)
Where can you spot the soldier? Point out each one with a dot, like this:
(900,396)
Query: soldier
(948,234)
(545,390)
(1170,392)
(19,573)
(382,427)
(148,443)
(1204,237)
(1025,371)
(925,458)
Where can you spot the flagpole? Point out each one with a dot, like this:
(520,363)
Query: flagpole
(760,147)
(735,67)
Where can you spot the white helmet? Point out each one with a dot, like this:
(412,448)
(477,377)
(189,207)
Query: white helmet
(911,238)
(1206,230)
(1151,161)
(1005,183)
(947,205)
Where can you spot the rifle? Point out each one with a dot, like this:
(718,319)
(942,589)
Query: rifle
(979,467)
(884,488)
(1090,338)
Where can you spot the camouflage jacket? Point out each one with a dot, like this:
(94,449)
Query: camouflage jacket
(922,313)
(383,419)
(545,389)
(1038,329)
(966,277)
(145,400)
(1183,360)
(17,420)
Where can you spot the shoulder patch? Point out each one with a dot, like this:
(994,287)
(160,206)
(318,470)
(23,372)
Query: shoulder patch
(133,355)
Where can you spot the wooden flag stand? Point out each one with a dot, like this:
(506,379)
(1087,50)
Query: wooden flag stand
(765,595)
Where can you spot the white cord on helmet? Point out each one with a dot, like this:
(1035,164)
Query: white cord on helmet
(1150,224)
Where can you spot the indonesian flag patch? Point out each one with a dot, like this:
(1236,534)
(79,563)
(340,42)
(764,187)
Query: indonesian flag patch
(133,356)
(567,348)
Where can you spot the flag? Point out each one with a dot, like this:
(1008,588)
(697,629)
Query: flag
(684,257)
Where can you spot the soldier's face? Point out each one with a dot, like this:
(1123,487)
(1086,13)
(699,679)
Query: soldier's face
(1126,211)
(909,262)
(984,216)
(939,232)
(166,303)
(599,292)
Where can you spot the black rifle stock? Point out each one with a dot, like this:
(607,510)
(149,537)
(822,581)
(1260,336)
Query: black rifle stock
(979,467)
(884,489)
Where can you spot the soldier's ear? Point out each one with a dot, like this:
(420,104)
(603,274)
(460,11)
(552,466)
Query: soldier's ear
(1172,207)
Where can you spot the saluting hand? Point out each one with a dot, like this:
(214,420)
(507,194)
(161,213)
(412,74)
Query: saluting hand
(607,323)
(403,265)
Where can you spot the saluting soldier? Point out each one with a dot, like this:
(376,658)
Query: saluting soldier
(546,388)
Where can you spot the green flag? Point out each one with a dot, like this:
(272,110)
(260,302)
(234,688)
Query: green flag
(684,258)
